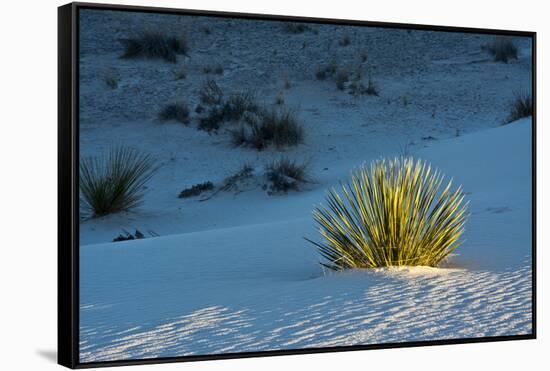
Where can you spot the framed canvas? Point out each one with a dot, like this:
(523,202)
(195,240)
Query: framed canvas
(238,185)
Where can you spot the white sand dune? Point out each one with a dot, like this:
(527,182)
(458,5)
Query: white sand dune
(259,286)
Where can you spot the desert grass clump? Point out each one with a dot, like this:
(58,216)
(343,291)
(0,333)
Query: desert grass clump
(212,121)
(277,127)
(325,72)
(213,69)
(296,28)
(111,80)
(342,78)
(522,106)
(180,74)
(393,213)
(502,49)
(284,175)
(372,88)
(175,111)
(238,104)
(232,109)
(115,181)
(280,99)
(211,93)
(345,41)
(155,45)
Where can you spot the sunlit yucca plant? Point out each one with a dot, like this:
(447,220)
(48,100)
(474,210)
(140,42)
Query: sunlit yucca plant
(114,181)
(393,213)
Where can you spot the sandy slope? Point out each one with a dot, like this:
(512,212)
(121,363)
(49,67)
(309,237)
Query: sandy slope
(432,85)
(258,285)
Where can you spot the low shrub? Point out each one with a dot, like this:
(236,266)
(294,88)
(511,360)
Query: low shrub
(196,190)
(115,181)
(522,106)
(155,45)
(127,236)
(284,175)
(502,49)
(175,111)
(393,213)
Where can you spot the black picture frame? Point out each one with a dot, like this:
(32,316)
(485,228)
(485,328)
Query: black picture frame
(68,195)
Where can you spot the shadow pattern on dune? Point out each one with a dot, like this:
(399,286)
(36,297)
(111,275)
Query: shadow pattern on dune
(384,306)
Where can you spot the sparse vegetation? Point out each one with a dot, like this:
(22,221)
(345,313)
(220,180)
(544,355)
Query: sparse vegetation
(180,74)
(393,213)
(111,80)
(325,72)
(296,28)
(115,181)
(210,93)
(196,190)
(342,77)
(372,88)
(345,41)
(502,49)
(280,99)
(199,109)
(213,69)
(522,106)
(127,236)
(238,104)
(274,127)
(287,83)
(284,175)
(155,45)
(356,87)
(213,119)
(233,109)
(175,111)
(237,182)
(352,81)
(233,182)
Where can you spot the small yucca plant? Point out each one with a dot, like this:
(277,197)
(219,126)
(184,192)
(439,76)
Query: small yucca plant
(114,181)
(393,213)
